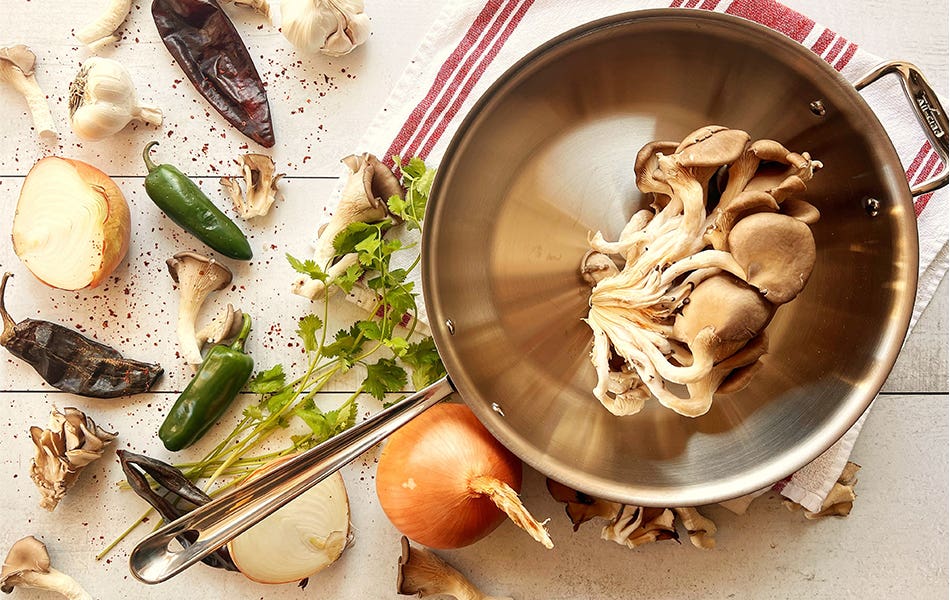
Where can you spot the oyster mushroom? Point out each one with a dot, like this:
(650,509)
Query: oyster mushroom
(16,69)
(197,276)
(260,186)
(422,573)
(677,249)
(27,565)
(776,251)
(363,200)
(71,442)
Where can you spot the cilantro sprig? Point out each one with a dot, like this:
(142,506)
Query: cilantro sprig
(382,345)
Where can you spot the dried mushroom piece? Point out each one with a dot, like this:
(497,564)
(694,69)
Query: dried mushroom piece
(422,573)
(28,565)
(72,441)
(633,526)
(260,186)
(743,258)
(840,499)
(629,526)
(701,530)
(637,525)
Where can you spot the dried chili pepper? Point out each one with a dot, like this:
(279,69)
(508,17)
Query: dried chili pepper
(71,362)
(202,39)
(174,497)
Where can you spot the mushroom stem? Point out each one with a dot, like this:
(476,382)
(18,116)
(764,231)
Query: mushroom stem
(54,581)
(16,68)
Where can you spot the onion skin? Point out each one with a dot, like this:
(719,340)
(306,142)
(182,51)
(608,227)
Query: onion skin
(424,474)
(116,228)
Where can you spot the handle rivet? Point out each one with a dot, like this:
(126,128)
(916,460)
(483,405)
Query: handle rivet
(450,325)
(872,206)
(817,107)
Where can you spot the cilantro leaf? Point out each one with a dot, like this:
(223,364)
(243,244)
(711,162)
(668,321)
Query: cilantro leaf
(279,400)
(400,299)
(424,360)
(325,425)
(348,279)
(397,344)
(255,413)
(347,240)
(307,267)
(309,326)
(417,178)
(269,381)
(347,345)
(384,376)
(370,329)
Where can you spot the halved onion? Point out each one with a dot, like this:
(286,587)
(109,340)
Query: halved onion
(72,224)
(302,538)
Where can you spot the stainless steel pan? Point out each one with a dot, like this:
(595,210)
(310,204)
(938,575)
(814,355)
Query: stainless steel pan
(544,158)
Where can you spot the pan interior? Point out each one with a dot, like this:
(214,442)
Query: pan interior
(546,158)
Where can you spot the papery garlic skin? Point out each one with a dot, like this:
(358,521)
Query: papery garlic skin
(333,27)
(102,100)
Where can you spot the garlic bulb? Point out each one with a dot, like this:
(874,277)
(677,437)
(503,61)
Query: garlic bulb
(102,100)
(333,27)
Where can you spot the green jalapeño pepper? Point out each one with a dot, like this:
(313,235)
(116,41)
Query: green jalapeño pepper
(185,204)
(220,377)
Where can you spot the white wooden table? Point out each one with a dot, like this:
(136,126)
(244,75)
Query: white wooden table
(894,543)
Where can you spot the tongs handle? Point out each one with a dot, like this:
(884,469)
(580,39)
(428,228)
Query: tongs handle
(927,107)
(222,519)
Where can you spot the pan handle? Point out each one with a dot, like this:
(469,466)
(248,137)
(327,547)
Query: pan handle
(927,107)
(222,519)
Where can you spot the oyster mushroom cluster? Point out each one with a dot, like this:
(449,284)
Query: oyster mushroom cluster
(698,286)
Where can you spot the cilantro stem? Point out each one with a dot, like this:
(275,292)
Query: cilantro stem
(124,534)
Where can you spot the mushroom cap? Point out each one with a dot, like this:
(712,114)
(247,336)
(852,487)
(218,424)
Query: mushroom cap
(383,183)
(803,211)
(777,253)
(207,271)
(646,163)
(20,56)
(711,146)
(27,554)
(736,311)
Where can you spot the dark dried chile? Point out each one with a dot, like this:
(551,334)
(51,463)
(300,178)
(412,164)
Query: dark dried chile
(202,39)
(71,362)
(174,497)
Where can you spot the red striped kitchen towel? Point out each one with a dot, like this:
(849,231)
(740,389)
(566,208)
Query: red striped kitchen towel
(473,42)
